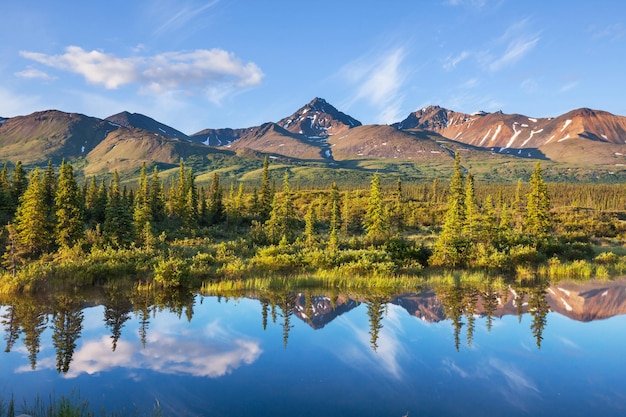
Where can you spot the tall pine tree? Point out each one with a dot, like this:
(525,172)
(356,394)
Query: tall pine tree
(70,226)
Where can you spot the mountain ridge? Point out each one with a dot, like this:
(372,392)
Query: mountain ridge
(320,132)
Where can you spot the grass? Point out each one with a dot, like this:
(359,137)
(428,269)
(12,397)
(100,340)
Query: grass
(64,406)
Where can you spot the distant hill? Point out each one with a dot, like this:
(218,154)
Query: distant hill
(50,135)
(140,121)
(583,139)
(127,148)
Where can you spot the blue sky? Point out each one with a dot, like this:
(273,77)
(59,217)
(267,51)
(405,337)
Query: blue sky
(196,64)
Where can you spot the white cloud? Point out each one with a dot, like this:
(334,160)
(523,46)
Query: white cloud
(196,355)
(379,82)
(516,50)
(32,73)
(214,72)
(452,62)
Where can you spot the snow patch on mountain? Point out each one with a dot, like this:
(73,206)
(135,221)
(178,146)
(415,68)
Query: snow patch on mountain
(495,135)
(567,123)
(515,135)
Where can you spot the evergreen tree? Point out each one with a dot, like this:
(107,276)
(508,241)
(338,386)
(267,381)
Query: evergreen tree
(91,199)
(449,250)
(31,219)
(334,206)
(310,234)
(266,195)
(375,222)
(142,215)
(470,226)
(18,183)
(156,199)
(70,227)
(118,222)
(537,220)
(346,214)
(282,221)
(397,217)
(190,210)
(6,202)
(217,211)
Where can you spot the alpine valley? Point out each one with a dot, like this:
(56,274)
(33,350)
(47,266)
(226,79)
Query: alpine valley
(319,141)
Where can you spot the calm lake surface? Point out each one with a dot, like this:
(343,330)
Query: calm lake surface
(557,350)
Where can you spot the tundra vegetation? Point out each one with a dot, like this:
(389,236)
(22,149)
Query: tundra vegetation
(166,231)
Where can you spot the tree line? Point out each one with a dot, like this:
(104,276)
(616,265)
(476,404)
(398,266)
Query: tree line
(380,229)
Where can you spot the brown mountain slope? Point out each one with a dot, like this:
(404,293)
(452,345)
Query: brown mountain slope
(50,135)
(382,141)
(219,137)
(140,121)
(127,148)
(515,131)
(271,138)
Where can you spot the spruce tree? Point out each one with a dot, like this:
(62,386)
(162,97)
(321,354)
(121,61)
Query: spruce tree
(118,222)
(69,213)
(6,202)
(310,234)
(537,220)
(156,198)
(142,214)
(375,222)
(217,211)
(18,183)
(449,250)
(31,219)
(266,194)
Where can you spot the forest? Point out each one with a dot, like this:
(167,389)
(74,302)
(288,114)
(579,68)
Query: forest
(169,232)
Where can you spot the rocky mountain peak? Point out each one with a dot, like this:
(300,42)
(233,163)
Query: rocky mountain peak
(318,119)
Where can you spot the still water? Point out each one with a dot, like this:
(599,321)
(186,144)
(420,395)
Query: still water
(555,350)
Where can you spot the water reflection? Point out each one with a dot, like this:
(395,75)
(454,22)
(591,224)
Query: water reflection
(215,351)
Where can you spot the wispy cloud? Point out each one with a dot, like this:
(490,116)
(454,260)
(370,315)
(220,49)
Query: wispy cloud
(379,82)
(472,3)
(569,86)
(517,42)
(516,50)
(215,72)
(453,61)
(32,73)
(612,32)
(182,17)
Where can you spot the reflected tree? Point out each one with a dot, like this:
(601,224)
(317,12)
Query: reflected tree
(264,311)
(375,311)
(490,303)
(117,310)
(67,323)
(470,301)
(11,326)
(452,299)
(34,321)
(286,307)
(538,308)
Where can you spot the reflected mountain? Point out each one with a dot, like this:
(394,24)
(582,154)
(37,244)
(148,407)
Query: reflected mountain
(581,301)
(319,310)
(28,319)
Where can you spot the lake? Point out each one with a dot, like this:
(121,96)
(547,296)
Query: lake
(548,350)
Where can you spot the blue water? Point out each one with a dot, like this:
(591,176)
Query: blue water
(223,363)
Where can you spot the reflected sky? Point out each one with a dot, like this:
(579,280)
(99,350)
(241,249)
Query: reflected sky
(224,361)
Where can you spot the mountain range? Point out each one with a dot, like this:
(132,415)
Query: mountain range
(584,302)
(318,132)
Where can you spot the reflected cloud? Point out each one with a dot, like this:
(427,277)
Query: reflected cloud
(386,358)
(211,353)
